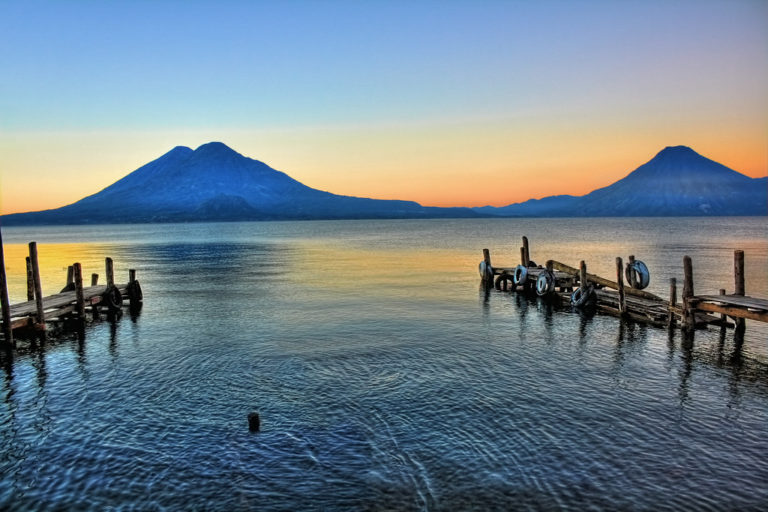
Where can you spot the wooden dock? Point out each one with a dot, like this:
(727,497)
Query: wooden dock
(75,301)
(624,296)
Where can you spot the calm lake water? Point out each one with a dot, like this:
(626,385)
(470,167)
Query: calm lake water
(385,377)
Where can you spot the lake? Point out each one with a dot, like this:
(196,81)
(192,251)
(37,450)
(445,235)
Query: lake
(385,376)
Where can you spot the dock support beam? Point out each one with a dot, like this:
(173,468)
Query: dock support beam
(672,301)
(689,319)
(738,277)
(110,273)
(38,286)
(30,281)
(620,282)
(78,278)
(526,252)
(4,302)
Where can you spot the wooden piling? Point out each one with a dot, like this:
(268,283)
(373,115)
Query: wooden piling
(738,277)
(723,316)
(527,251)
(70,276)
(631,276)
(131,275)
(30,281)
(522,257)
(5,304)
(620,282)
(94,279)
(738,272)
(80,300)
(583,275)
(688,314)
(672,301)
(111,271)
(37,284)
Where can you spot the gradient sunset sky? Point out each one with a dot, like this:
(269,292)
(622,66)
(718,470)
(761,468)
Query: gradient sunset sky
(448,103)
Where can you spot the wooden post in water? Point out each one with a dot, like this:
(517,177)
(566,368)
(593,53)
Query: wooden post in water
(5,304)
(37,284)
(488,274)
(111,272)
(131,275)
(30,281)
(738,277)
(689,320)
(527,252)
(522,257)
(94,279)
(70,277)
(620,282)
(723,316)
(78,278)
(583,275)
(672,301)
(631,277)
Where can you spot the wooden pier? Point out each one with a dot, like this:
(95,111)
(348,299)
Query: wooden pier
(624,296)
(75,301)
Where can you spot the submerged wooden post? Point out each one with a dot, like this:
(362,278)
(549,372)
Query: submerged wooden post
(37,284)
(78,278)
(527,252)
(632,278)
(94,279)
(738,277)
(110,273)
(688,314)
(583,275)
(672,301)
(5,304)
(620,282)
(30,281)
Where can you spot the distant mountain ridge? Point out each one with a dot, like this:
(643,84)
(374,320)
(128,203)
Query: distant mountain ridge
(676,182)
(216,183)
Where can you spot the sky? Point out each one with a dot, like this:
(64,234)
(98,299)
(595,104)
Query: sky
(447,103)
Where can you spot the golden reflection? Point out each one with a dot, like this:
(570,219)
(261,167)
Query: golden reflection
(53,260)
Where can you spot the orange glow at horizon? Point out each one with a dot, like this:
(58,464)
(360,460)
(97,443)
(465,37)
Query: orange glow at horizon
(471,164)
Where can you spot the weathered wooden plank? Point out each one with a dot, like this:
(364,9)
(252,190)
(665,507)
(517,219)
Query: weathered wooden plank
(91,294)
(735,312)
(734,300)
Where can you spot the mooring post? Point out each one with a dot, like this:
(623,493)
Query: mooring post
(688,314)
(131,275)
(37,284)
(631,277)
(5,304)
(78,278)
(672,301)
(723,316)
(30,281)
(110,273)
(620,282)
(70,276)
(738,277)
(522,257)
(94,279)
(583,275)
(527,251)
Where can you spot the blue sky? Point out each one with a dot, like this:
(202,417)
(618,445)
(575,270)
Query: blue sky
(339,94)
